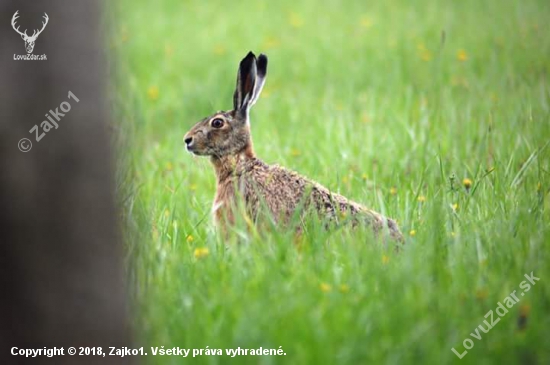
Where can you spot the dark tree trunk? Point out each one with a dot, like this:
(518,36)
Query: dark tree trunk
(61,275)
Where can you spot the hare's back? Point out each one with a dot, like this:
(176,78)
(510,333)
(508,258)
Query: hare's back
(277,188)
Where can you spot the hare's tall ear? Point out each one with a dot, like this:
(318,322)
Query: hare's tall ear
(246,80)
(261,69)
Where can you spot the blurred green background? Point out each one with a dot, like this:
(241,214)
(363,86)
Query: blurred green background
(434,113)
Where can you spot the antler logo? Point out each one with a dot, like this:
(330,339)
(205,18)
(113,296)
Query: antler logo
(29,40)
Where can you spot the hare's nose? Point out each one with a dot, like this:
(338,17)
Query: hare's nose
(188,140)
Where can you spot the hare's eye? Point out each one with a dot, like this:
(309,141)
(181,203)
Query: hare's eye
(217,123)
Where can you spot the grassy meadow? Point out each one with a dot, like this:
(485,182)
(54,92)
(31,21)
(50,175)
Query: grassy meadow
(435,113)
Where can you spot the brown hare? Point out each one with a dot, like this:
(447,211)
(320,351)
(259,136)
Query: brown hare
(243,178)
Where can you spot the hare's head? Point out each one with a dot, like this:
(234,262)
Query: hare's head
(228,133)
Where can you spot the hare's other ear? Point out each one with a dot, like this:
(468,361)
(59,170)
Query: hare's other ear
(246,80)
(261,73)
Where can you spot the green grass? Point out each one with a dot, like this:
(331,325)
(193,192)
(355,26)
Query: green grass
(372,101)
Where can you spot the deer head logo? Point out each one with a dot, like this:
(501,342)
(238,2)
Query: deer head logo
(29,40)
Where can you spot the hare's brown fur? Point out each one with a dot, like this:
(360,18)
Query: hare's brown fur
(282,191)
(225,137)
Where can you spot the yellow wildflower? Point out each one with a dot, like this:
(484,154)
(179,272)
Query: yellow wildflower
(525,309)
(220,50)
(153,93)
(189,238)
(461,55)
(455,206)
(325,287)
(412,233)
(366,21)
(482,293)
(295,20)
(168,50)
(467,183)
(201,252)
(426,55)
(393,190)
(421,198)
(271,42)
